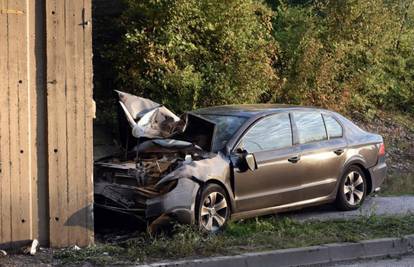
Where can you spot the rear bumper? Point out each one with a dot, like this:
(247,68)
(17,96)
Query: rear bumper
(378,174)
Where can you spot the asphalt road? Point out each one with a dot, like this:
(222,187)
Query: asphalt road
(406,261)
(401,205)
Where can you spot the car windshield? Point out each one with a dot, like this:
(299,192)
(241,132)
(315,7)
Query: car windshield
(226,126)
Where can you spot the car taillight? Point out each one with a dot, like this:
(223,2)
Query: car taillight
(381,150)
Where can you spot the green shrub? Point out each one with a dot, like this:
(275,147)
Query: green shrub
(353,56)
(192,53)
(350,56)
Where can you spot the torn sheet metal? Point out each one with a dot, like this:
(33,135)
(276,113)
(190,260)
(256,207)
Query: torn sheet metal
(157,123)
(147,118)
(216,167)
(135,107)
(152,120)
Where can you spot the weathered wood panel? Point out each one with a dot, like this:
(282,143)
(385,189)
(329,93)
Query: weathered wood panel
(46,186)
(15,120)
(69,101)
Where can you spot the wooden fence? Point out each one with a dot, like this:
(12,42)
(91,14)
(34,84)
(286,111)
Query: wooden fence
(46,112)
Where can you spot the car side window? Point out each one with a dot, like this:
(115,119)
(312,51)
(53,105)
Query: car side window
(310,127)
(273,132)
(333,127)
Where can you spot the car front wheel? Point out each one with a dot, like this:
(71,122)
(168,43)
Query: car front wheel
(352,189)
(213,209)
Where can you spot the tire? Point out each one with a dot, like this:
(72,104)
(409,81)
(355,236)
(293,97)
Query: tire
(352,189)
(213,209)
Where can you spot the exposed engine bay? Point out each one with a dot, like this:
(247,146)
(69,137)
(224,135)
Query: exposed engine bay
(162,174)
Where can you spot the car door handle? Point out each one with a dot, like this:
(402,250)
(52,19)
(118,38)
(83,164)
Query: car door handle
(339,151)
(294,159)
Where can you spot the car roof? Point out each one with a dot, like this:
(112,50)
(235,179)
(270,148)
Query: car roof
(251,110)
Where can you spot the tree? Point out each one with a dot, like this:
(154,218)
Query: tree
(350,56)
(192,53)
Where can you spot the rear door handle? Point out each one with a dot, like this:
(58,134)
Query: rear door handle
(294,159)
(339,151)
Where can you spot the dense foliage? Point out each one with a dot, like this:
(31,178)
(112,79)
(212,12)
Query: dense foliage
(352,56)
(191,53)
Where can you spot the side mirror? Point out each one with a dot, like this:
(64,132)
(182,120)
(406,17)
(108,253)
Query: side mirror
(250,161)
(244,160)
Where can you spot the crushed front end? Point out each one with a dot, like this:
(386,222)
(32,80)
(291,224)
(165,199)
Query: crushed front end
(160,177)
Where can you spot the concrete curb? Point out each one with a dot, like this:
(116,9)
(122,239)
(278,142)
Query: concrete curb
(329,253)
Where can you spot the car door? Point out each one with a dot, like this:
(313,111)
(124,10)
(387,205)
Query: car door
(270,140)
(322,152)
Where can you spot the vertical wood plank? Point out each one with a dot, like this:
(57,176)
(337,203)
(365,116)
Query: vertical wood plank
(80,122)
(32,87)
(37,110)
(61,122)
(2,71)
(89,113)
(73,132)
(24,208)
(13,83)
(56,108)
(5,200)
(51,27)
(70,125)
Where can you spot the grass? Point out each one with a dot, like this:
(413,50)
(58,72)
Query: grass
(398,184)
(244,236)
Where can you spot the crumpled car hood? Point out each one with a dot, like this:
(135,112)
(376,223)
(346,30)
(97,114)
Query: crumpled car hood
(147,118)
(152,120)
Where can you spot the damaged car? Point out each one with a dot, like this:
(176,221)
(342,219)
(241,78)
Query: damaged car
(236,161)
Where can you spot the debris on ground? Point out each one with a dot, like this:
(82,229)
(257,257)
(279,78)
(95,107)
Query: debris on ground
(76,248)
(32,249)
(3,253)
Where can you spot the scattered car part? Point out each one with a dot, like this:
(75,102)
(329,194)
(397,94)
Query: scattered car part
(32,249)
(76,248)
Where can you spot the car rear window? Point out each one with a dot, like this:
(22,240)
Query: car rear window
(333,128)
(310,127)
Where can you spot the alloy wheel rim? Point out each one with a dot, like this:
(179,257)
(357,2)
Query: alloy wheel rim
(354,188)
(214,211)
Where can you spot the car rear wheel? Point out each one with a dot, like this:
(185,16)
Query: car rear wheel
(352,189)
(213,209)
